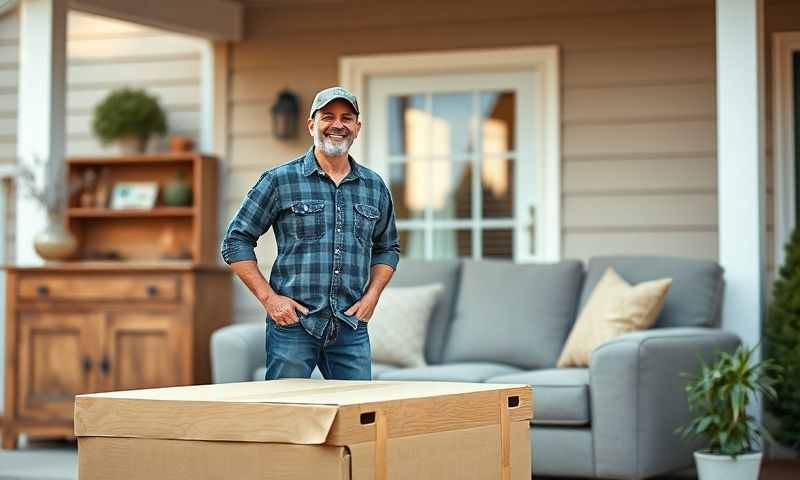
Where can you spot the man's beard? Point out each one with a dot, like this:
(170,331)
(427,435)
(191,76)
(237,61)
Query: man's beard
(330,147)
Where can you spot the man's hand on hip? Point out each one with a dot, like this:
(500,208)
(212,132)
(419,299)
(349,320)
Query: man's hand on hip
(281,309)
(364,307)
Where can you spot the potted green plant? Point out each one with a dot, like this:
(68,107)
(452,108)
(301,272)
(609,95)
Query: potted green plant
(128,116)
(718,400)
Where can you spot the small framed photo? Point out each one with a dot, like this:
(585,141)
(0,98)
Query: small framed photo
(134,195)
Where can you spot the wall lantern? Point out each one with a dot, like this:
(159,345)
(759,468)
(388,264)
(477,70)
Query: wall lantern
(285,112)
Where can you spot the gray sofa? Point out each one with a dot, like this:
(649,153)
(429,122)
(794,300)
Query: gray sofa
(507,323)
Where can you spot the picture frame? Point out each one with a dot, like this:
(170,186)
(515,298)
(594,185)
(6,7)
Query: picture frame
(134,195)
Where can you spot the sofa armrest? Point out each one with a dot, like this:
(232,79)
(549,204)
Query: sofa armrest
(638,398)
(236,351)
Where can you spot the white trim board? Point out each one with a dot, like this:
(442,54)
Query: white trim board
(784,45)
(354,72)
(41,109)
(741,171)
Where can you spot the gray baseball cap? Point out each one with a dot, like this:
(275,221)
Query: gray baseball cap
(328,95)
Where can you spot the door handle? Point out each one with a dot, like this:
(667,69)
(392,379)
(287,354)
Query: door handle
(105,365)
(86,363)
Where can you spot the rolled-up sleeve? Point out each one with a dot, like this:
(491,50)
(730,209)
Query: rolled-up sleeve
(385,240)
(254,217)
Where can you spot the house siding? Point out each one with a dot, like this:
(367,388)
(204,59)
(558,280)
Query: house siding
(104,54)
(638,104)
(779,16)
(9,58)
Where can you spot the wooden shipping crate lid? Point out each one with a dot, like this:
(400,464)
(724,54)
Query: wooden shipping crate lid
(300,411)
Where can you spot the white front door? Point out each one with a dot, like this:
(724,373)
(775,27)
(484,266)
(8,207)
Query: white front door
(459,154)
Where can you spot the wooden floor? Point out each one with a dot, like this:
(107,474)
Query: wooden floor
(40,460)
(780,470)
(57,460)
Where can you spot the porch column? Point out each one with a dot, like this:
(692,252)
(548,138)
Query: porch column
(740,154)
(41,107)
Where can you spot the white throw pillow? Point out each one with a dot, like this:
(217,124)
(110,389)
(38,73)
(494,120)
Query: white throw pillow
(399,324)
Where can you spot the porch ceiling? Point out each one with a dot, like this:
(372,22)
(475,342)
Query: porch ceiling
(213,19)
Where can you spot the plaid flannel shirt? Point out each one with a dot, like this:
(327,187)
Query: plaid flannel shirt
(328,237)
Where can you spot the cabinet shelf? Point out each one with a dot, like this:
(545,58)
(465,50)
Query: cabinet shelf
(143,234)
(84,212)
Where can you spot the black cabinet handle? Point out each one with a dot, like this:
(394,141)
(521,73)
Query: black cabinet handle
(152,290)
(105,365)
(86,363)
(42,290)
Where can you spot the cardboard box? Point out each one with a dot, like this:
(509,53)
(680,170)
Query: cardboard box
(307,429)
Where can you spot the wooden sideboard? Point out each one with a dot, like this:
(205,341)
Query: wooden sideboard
(141,321)
(101,328)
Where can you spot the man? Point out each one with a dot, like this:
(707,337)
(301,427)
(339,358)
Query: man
(338,247)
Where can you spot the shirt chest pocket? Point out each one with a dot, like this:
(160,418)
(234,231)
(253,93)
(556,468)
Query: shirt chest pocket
(307,221)
(365,217)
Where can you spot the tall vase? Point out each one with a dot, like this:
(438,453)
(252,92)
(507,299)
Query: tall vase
(55,242)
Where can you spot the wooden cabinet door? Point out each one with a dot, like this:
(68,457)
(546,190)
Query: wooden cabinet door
(141,350)
(56,356)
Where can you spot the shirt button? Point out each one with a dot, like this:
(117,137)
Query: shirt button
(337,251)
(336,272)
(338,229)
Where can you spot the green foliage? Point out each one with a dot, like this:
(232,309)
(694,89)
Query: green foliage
(128,111)
(782,333)
(718,399)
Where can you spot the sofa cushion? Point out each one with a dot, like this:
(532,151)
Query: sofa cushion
(694,299)
(614,308)
(561,395)
(377,368)
(514,314)
(399,325)
(454,372)
(412,272)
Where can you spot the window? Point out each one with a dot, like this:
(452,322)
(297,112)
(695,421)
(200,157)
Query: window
(469,158)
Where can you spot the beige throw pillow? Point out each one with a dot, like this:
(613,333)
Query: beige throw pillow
(399,324)
(613,308)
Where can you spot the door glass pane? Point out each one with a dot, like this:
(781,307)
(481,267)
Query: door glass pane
(412,243)
(497,121)
(497,187)
(452,189)
(452,243)
(498,243)
(408,182)
(450,124)
(408,125)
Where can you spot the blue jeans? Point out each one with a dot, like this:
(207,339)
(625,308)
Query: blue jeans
(341,354)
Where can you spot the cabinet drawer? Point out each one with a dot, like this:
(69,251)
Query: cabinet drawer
(99,287)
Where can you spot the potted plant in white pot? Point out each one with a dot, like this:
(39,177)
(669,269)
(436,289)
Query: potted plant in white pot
(718,400)
(128,117)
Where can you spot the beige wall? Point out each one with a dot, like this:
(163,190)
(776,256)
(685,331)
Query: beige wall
(638,165)
(780,16)
(9,55)
(104,54)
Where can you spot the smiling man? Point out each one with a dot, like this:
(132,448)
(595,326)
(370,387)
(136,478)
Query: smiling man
(338,247)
